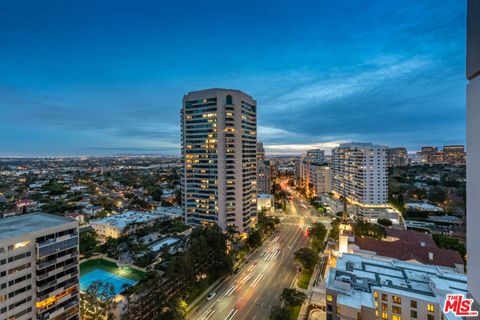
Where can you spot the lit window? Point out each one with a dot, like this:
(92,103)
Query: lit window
(396,299)
(397,310)
(384,297)
(430,308)
(329,297)
(384,315)
(395,317)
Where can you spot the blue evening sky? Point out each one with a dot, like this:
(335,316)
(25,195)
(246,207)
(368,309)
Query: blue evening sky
(107,77)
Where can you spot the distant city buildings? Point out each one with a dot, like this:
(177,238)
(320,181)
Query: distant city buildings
(219,153)
(473,143)
(454,154)
(381,288)
(39,272)
(397,157)
(360,173)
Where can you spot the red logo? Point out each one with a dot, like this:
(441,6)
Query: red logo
(459,305)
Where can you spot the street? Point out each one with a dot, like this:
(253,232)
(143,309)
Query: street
(257,286)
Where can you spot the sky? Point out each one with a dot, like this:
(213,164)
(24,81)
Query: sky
(108,77)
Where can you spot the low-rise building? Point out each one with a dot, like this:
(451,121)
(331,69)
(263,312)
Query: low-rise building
(264,202)
(381,288)
(115,226)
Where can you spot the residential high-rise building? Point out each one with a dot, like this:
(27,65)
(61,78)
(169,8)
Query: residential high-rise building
(473,146)
(454,154)
(219,142)
(360,173)
(381,288)
(427,153)
(397,157)
(264,177)
(308,170)
(39,272)
(260,151)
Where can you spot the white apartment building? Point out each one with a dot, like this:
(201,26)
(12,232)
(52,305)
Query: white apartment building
(39,272)
(473,147)
(219,140)
(383,288)
(117,225)
(264,176)
(360,173)
(310,165)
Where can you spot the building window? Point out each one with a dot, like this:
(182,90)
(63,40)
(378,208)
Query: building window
(329,297)
(396,299)
(338,310)
(375,294)
(384,315)
(397,310)
(384,307)
(430,317)
(229,100)
(413,303)
(413,314)
(430,307)
(395,317)
(384,297)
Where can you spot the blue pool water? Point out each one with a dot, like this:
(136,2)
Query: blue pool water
(99,274)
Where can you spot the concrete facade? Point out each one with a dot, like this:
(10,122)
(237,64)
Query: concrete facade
(219,141)
(39,271)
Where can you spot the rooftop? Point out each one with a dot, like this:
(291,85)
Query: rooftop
(17,225)
(356,277)
(122,220)
(410,245)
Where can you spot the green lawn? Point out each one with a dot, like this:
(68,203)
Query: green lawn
(294,311)
(304,278)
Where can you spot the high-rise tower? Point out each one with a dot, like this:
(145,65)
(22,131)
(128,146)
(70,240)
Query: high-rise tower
(219,142)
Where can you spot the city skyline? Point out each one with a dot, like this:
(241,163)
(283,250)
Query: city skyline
(96,85)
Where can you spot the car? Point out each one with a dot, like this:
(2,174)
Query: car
(211,295)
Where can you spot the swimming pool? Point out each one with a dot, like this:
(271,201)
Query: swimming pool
(98,274)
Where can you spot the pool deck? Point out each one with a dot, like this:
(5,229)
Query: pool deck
(111,267)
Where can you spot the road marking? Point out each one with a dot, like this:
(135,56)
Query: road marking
(257,280)
(207,315)
(231,314)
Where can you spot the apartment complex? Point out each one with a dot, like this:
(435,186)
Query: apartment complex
(454,154)
(360,173)
(219,141)
(397,157)
(314,175)
(383,288)
(264,176)
(473,143)
(39,272)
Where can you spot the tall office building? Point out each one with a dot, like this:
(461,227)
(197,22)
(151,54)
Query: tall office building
(473,145)
(454,154)
(39,273)
(397,157)
(360,173)
(260,151)
(219,141)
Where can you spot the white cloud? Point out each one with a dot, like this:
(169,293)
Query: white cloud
(278,149)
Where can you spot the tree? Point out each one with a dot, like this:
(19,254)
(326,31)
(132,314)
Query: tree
(254,239)
(279,313)
(306,257)
(369,230)
(446,242)
(97,301)
(385,222)
(436,195)
(88,242)
(293,297)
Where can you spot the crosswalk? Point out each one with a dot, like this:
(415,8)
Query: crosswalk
(302,225)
